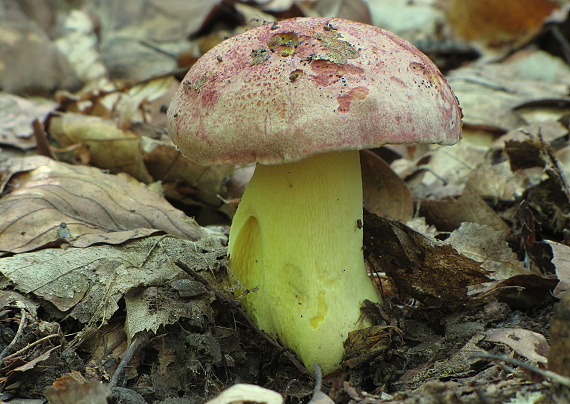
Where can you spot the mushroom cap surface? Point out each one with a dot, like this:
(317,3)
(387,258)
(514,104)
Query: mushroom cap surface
(285,91)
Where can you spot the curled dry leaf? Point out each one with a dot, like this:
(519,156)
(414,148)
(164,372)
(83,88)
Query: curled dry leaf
(426,269)
(561,262)
(54,203)
(110,147)
(512,281)
(529,344)
(184,180)
(385,193)
(448,214)
(15,120)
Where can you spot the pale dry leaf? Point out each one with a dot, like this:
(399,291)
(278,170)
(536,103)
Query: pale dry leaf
(529,344)
(153,32)
(16,119)
(110,147)
(490,93)
(414,21)
(489,247)
(354,10)
(88,282)
(152,307)
(79,45)
(446,171)
(497,181)
(561,261)
(129,106)
(57,203)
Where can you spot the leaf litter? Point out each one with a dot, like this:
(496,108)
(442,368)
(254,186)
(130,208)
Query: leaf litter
(472,257)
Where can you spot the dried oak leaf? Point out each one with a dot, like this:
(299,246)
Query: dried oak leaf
(54,203)
(426,269)
(385,193)
(87,283)
(509,279)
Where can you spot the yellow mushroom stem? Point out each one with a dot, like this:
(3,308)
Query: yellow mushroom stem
(296,242)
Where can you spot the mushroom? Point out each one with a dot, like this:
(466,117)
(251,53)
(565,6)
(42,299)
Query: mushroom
(300,97)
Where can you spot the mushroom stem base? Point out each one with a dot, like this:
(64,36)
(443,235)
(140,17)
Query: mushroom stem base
(296,244)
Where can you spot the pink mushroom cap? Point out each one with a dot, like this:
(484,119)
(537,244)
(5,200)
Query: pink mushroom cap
(289,90)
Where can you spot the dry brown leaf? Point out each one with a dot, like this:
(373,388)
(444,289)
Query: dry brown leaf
(16,119)
(150,308)
(54,203)
(355,10)
(448,214)
(426,269)
(529,344)
(385,193)
(497,25)
(110,147)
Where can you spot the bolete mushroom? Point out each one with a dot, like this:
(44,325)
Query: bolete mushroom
(300,97)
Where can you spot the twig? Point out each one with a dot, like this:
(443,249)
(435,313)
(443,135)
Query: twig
(237,306)
(127,357)
(555,377)
(17,336)
(36,342)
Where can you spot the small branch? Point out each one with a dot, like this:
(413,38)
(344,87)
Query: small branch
(555,377)
(237,306)
(17,336)
(127,357)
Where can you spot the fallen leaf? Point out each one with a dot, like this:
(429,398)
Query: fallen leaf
(385,193)
(150,308)
(491,92)
(16,119)
(89,282)
(489,247)
(110,147)
(529,344)
(24,43)
(426,269)
(497,26)
(54,203)
(449,214)
(561,262)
